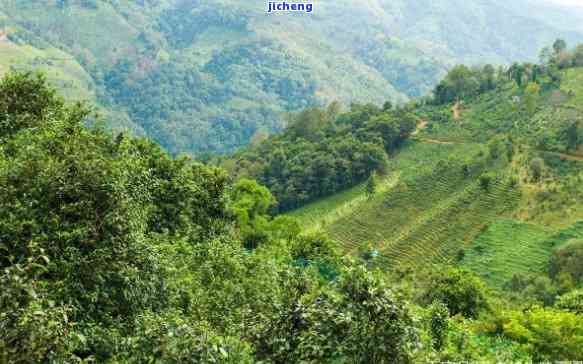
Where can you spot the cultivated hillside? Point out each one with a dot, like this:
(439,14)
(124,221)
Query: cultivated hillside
(210,75)
(491,182)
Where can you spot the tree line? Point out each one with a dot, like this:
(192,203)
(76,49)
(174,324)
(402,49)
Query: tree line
(463,82)
(323,151)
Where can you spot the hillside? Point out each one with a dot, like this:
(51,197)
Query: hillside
(209,75)
(491,183)
(448,233)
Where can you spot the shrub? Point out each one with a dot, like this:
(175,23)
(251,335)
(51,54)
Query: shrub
(547,334)
(567,259)
(536,168)
(438,324)
(572,301)
(461,291)
(486,180)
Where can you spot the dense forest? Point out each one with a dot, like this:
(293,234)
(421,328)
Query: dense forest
(323,151)
(114,251)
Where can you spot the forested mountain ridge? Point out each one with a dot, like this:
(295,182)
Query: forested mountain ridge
(210,75)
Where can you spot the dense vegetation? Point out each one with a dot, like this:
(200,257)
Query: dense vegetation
(113,251)
(209,75)
(323,151)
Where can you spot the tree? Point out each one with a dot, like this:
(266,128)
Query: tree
(547,334)
(516,72)
(27,101)
(531,92)
(488,78)
(537,168)
(461,291)
(250,203)
(545,56)
(459,83)
(559,46)
(567,259)
(572,301)
(486,179)
(578,56)
(358,320)
(371,184)
(572,134)
(438,324)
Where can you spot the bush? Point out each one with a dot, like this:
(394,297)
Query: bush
(572,301)
(536,168)
(438,324)
(486,180)
(567,259)
(547,334)
(461,291)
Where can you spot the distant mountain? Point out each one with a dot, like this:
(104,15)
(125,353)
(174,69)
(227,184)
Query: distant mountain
(209,75)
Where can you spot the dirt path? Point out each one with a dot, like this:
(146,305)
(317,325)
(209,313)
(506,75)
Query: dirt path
(457,110)
(565,156)
(435,141)
(421,124)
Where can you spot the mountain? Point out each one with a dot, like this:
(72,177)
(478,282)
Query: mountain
(210,75)
(464,244)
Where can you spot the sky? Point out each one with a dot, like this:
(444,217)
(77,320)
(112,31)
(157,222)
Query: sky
(577,3)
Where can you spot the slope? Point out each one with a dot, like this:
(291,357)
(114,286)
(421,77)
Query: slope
(469,191)
(209,75)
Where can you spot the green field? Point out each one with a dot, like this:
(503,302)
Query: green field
(428,210)
(509,247)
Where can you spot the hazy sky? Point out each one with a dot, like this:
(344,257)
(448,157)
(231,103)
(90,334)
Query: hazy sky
(578,3)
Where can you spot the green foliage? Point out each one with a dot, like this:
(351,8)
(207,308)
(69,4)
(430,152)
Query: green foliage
(371,184)
(461,291)
(314,247)
(250,203)
(32,326)
(80,217)
(358,320)
(486,180)
(462,83)
(321,152)
(536,168)
(171,338)
(567,259)
(547,334)
(438,324)
(26,101)
(572,301)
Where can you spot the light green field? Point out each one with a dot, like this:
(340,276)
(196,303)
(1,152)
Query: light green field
(509,247)
(62,70)
(427,211)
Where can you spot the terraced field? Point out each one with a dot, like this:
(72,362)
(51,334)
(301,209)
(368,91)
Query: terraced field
(510,247)
(436,207)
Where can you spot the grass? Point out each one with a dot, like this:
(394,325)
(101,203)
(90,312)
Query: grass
(61,69)
(509,247)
